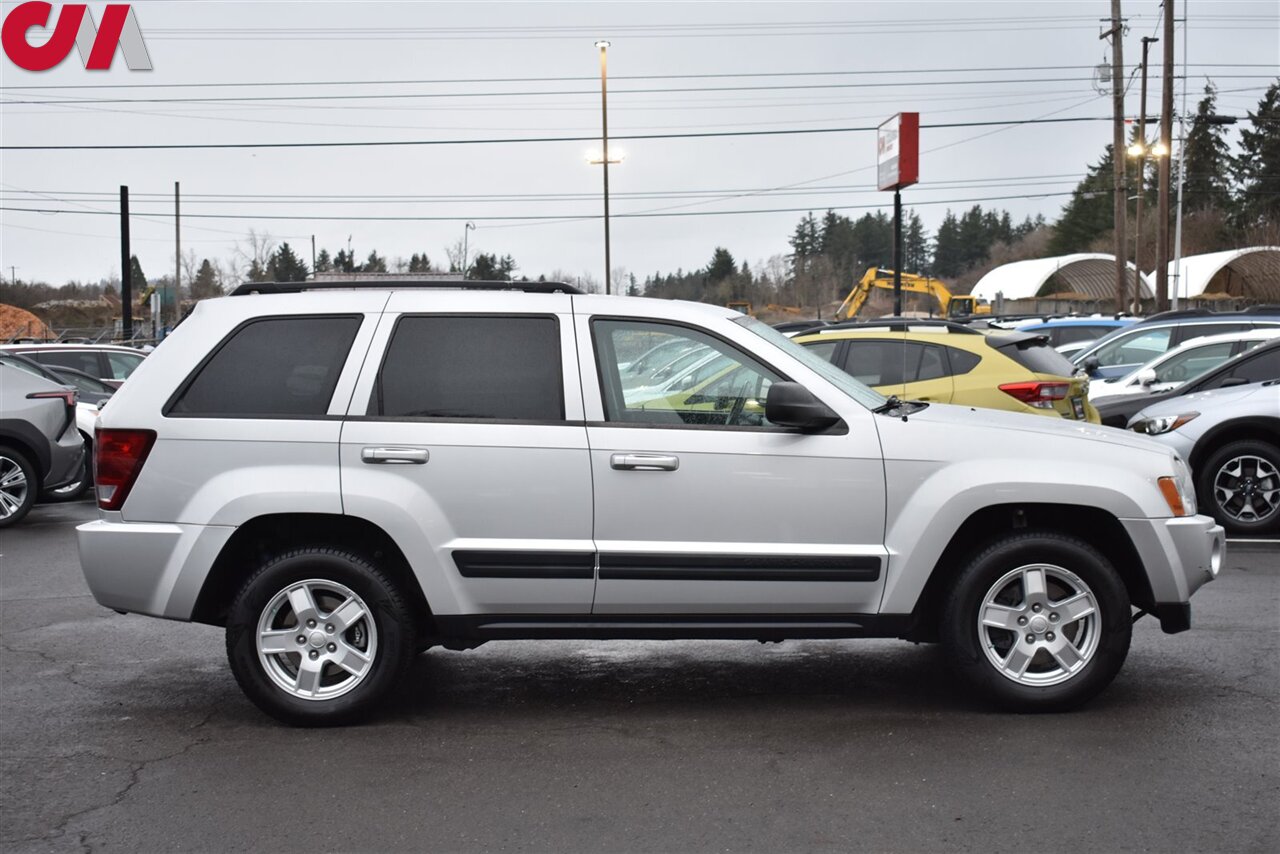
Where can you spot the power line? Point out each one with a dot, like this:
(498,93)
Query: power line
(249,99)
(536,217)
(187,146)
(254,84)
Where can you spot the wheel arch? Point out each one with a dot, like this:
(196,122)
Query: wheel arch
(264,536)
(1257,427)
(1093,525)
(21,437)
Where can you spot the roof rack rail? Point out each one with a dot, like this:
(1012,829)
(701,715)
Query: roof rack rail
(899,324)
(402,284)
(1208,312)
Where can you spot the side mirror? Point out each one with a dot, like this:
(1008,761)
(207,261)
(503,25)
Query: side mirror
(793,405)
(1147,376)
(1090,365)
(1232,382)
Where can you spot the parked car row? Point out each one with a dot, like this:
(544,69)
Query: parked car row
(36,440)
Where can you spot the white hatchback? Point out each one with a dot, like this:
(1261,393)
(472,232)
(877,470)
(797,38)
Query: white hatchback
(1183,363)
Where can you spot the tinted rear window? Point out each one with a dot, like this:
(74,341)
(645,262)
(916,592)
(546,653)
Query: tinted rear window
(1035,356)
(275,367)
(499,368)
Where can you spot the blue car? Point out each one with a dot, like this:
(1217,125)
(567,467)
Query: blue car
(1131,347)
(1077,330)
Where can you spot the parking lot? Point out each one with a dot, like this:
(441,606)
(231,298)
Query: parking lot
(120,732)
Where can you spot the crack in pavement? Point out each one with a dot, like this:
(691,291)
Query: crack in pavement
(135,776)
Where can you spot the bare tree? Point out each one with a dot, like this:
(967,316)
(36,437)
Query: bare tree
(254,254)
(454,253)
(618,280)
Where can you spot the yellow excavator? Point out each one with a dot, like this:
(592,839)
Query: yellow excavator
(957,306)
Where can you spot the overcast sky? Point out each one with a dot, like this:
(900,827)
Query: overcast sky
(744,67)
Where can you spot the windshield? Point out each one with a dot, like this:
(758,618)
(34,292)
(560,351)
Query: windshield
(835,376)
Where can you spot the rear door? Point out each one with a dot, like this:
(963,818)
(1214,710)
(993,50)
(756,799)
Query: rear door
(912,370)
(466,436)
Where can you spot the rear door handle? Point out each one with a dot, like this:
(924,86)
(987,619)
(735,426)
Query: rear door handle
(395,456)
(644,462)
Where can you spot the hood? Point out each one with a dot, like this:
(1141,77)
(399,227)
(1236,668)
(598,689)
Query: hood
(1216,397)
(1022,422)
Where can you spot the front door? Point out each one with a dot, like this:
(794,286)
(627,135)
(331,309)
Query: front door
(702,506)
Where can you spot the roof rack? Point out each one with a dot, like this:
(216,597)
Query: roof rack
(898,324)
(1207,312)
(402,284)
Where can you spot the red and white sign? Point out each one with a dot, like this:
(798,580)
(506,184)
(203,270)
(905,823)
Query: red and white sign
(898,152)
(96,45)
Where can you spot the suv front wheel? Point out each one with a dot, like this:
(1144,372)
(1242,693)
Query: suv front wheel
(1038,622)
(318,637)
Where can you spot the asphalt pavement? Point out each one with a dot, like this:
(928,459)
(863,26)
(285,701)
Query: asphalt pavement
(123,733)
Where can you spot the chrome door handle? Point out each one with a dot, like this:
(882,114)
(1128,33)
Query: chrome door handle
(395,456)
(644,462)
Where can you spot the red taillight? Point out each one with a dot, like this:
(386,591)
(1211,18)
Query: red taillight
(118,456)
(1037,394)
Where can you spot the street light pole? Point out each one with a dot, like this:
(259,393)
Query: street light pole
(1166,142)
(604,127)
(1142,169)
(466,232)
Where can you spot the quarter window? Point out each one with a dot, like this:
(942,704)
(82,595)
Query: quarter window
(475,368)
(281,367)
(711,384)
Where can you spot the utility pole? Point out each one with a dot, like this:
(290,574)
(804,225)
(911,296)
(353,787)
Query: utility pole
(1116,33)
(1166,142)
(126,269)
(897,252)
(313,256)
(1142,166)
(604,125)
(466,232)
(177,249)
(1182,167)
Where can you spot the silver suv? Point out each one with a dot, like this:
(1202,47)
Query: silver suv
(345,477)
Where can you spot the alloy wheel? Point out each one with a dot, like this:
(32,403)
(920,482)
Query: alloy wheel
(317,639)
(1247,488)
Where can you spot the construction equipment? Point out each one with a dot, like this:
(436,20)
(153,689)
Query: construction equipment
(740,305)
(951,306)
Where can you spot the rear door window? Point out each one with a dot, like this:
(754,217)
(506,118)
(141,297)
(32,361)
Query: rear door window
(1037,357)
(1137,347)
(1260,368)
(123,364)
(279,367)
(83,360)
(484,367)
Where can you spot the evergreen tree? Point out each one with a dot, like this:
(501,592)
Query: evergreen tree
(1090,213)
(488,267)
(419,263)
(947,252)
(285,266)
(374,264)
(324,263)
(137,280)
(1208,181)
(633,288)
(722,266)
(1259,162)
(205,284)
(804,244)
(915,245)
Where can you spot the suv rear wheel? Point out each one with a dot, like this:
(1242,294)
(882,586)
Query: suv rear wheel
(318,637)
(18,486)
(1038,622)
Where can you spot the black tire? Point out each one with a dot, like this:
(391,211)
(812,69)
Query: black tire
(1106,635)
(393,638)
(23,486)
(1211,500)
(77,488)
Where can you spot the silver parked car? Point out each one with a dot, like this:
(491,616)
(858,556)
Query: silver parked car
(1231,437)
(40,447)
(342,478)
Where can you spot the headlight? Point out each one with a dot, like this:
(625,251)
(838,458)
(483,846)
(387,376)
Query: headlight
(1162,423)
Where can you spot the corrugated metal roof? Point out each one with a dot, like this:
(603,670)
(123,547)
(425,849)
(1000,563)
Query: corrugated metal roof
(1250,273)
(1089,273)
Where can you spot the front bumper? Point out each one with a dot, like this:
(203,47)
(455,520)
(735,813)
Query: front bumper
(1180,555)
(149,567)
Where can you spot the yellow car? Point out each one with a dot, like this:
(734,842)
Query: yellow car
(946,362)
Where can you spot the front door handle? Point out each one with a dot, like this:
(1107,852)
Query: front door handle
(644,462)
(395,456)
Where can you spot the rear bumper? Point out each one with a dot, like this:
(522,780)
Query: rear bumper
(147,567)
(1180,556)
